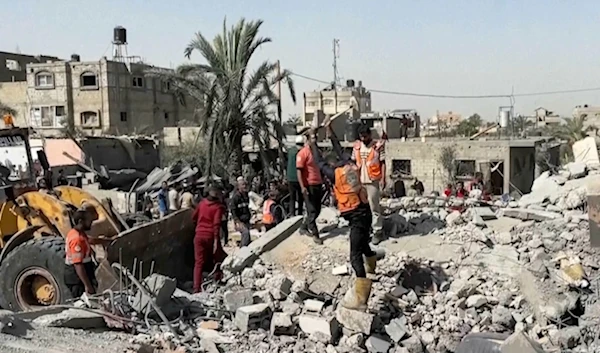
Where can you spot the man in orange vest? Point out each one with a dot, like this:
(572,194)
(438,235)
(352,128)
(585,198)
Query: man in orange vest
(272,211)
(353,205)
(370,159)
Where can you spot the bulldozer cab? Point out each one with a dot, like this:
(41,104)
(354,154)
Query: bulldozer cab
(19,169)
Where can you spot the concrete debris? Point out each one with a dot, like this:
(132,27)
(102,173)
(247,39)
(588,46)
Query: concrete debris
(328,328)
(161,287)
(237,299)
(72,318)
(355,320)
(518,342)
(377,344)
(281,324)
(313,305)
(252,317)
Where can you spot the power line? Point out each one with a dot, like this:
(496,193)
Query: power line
(451,96)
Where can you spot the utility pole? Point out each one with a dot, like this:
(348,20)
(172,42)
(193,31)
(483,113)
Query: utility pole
(336,55)
(279,92)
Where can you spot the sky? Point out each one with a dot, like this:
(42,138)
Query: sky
(457,47)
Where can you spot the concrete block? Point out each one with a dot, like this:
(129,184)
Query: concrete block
(319,325)
(281,324)
(213,336)
(313,305)
(413,344)
(72,318)
(341,270)
(519,342)
(397,329)
(279,286)
(577,169)
(252,317)
(160,287)
(324,283)
(355,320)
(237,299)
(377,344)
(246,256)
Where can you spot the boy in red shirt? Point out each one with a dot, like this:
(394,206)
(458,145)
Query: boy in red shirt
(207,245)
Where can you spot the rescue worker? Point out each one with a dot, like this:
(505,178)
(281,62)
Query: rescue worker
(240,211)
(311,186)
(79,268)
(370,159)
(208,251)
(272,211)
(353,204)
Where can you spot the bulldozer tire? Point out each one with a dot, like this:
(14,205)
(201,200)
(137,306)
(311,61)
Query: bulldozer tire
(32,275)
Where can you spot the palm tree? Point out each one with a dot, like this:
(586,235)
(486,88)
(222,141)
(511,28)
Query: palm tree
(294,119)
(235,102)
(573,130)
(521,123)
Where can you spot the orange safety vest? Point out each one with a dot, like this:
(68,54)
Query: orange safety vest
(348,189)
(77,248)
(373,162)
(267,215)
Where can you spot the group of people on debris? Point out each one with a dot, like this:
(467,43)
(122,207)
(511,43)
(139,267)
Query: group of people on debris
(459,190)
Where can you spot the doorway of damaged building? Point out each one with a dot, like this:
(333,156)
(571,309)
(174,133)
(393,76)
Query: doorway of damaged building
(493,171)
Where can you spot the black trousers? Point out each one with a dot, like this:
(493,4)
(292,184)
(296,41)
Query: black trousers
(75,285)
(295,196)
(224,233)
(360,225)
(313,209)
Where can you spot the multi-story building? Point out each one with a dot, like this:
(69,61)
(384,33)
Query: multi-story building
(97,97)
(591,113)
(332,101)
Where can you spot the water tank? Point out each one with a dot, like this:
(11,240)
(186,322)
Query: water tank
(75,58)
(120,35)
(504,118)
(350,83)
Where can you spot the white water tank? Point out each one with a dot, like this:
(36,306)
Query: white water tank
(504,118)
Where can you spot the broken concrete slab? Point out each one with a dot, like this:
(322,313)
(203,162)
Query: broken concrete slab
(328,327)
(355,320)
(397,329)
(485,213)
(246,256)
(545,299)
(213,336)
(519,342)
(530,214)
(72,318)
(252,317)
(586,151)
(279,286)
(281,324)
(237,299)
(341,270)
(324,283)
(160,287)
(313,305)
(377,344)
(577,169)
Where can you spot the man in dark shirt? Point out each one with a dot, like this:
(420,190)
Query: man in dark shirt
(292,177)
(240,211)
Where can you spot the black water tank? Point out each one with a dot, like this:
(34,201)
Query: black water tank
(350,83)
(120,35)
(75,58)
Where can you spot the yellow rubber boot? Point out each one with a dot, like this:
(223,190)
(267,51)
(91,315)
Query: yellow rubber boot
(357,296)
(371,264)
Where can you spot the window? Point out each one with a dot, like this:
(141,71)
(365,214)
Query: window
(138,81)
(465,168)
(401,167)
(13,65)
(44,80)
(90,119)
(166,116)
(166,86)
(48,116)
(343,103)
(89,80)
(327,102)
(311,104)
(123,116)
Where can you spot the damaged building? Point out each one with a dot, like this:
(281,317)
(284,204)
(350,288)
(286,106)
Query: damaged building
(96,97)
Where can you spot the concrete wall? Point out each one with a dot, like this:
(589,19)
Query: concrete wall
(424,158)
(14,94)
(114,155)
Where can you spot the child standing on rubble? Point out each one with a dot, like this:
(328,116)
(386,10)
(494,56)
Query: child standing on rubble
(208,252)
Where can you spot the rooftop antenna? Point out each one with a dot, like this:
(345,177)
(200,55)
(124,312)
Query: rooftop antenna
(336,55)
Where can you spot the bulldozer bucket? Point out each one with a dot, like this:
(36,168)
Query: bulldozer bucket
(164,246)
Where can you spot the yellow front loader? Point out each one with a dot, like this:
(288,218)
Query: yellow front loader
(33,225)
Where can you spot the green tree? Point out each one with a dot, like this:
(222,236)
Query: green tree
(521,123)
(294,119)
(470,126)
(572,130)
(235,101)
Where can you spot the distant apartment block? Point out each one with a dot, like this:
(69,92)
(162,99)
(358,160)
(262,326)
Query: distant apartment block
(592,114)
(332,101)
(544,117)
(13,65)
(98,97)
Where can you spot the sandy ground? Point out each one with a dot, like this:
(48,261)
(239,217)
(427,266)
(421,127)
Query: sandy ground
(62,340)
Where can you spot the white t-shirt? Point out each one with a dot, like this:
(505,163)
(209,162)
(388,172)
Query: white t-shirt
(364,153)
(173,200)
